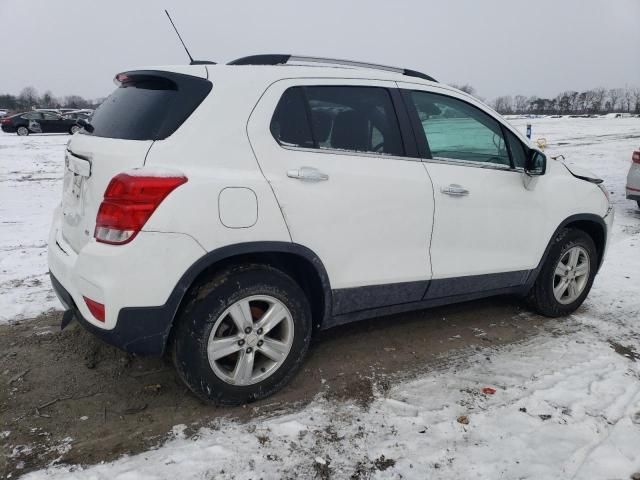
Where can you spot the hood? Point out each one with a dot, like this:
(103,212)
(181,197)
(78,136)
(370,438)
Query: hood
(583,174)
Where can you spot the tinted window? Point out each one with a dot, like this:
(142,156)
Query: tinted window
(518,150)
(290,125)
(148,105)
(360,119)
(32,116)
(458,130)
(51,116)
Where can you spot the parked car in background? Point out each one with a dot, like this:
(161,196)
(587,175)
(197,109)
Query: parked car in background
(38,122)
(633,178)
(79,115)
(3,112)
(295,198)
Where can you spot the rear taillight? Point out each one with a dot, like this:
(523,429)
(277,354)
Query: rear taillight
(635,158)
(128,203)
(5,121)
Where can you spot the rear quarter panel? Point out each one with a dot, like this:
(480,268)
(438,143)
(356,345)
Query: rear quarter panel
(212,149)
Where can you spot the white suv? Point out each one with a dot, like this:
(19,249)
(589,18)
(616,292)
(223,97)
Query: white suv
(223,213)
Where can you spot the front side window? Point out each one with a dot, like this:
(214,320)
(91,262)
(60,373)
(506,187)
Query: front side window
(51,116)
(351,118)
(518,150)
(457,130)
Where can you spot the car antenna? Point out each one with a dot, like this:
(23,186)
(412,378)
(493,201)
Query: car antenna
(191,60)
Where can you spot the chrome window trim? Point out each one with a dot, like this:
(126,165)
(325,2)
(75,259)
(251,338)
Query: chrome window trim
(334,151)
(474,164)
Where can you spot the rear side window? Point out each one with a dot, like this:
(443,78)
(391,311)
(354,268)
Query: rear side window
(148,105)
(289,125)
(32,116)
(358,119)
(458,130)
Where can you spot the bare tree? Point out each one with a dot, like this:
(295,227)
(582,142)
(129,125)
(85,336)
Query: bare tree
(614,97)
(28,98)
(520,104)
(636,98)
(627,99)
(598,99)
(503,104)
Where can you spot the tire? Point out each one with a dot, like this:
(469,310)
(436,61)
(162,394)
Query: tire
(542,297)
(207,313)
(22,131)
(74,129)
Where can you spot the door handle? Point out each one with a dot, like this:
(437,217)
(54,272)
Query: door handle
(455,190)
(308,174)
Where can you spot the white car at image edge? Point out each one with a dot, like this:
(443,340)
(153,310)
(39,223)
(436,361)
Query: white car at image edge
(633,178)
(225,213)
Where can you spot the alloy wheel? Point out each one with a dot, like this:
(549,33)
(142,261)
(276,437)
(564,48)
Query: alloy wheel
(250,340)
(571,275)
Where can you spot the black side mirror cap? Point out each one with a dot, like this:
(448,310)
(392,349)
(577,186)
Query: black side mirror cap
(84,124)
(536,163)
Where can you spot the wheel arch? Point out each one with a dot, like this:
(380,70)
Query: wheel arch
(593,225)
(302,264)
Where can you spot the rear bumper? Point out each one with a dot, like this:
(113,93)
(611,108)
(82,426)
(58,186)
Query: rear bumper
(144,273)
(633,194)
(142,330)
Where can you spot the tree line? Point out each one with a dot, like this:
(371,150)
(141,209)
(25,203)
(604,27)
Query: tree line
(29,98)
(591,102)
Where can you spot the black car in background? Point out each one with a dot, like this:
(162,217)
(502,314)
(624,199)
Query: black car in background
(39,122)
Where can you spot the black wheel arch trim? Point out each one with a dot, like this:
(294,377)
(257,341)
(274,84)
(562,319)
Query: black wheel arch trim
(162,317)
(580,217)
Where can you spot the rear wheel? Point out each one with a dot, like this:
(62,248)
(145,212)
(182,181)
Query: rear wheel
(242,335)
(22,131)
(566,276)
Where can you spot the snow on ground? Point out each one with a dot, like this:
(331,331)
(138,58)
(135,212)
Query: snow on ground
(31,170)
(567,401)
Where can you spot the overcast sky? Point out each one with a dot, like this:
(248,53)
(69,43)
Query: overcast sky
(501,47)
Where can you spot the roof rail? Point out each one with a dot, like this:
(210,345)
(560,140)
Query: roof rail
(281,59)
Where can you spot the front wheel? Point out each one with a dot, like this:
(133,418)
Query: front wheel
(22,131)
(566,276)
(74,129)
(242,335)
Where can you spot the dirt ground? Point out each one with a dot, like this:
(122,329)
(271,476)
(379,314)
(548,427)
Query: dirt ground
(66,397)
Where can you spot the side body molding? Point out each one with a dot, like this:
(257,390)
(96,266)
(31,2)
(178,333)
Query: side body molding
(146,330)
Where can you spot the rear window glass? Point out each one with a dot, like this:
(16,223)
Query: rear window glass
(148,106)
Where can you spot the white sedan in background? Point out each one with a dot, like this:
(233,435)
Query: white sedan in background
(633,178)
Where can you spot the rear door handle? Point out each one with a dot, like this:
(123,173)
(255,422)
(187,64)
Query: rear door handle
(455,190)
(308,174)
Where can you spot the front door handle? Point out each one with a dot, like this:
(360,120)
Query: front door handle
(455,190)
(308,174)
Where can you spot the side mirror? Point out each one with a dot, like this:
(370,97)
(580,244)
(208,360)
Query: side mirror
(84,124)
(536,163)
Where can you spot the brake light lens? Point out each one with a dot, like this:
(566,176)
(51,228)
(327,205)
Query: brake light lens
(635,158)
(5,121)
(96,309)
(129,201)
